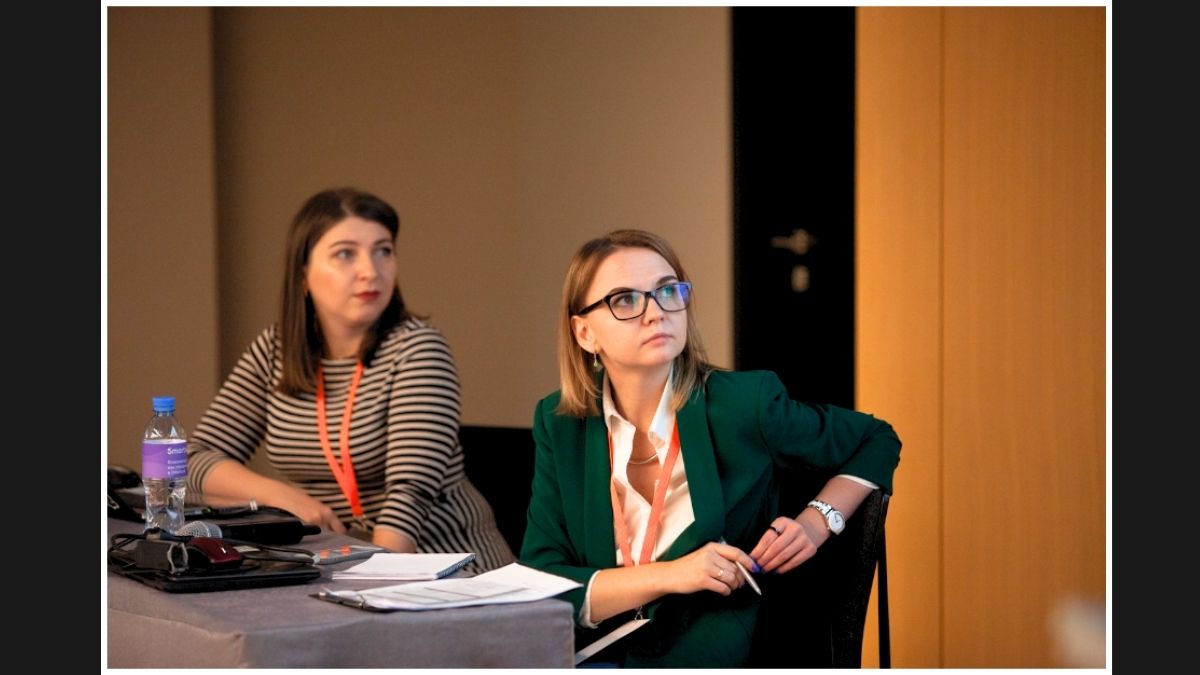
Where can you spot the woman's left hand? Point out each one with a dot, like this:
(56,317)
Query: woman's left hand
(785,545)
(393,540)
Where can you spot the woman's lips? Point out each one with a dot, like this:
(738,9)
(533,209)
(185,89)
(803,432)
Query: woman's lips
(367,296)
(658,337)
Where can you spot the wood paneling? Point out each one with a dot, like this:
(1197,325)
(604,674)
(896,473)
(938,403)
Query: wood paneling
(1011,411)
(898,304)
(1024,326)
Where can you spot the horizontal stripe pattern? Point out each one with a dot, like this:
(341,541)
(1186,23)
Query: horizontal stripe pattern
(403,439)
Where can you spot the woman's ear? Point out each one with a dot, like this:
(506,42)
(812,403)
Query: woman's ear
(584,335)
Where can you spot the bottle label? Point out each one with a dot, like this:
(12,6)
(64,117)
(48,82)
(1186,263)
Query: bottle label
(164,459)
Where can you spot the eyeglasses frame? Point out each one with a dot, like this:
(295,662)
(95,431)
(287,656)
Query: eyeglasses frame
(607,300)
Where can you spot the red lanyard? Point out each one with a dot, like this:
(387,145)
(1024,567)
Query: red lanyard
(660,495)
(344,473)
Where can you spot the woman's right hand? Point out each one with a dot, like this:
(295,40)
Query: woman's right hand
(308,509)
(712,567)
(231,482)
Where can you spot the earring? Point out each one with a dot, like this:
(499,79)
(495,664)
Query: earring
(596,365)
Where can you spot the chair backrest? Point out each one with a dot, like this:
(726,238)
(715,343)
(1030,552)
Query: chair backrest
(499,462)
(814,616)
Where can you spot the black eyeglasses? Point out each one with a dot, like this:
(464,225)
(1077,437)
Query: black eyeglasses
(626,305)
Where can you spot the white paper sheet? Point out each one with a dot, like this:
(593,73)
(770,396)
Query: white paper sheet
(509,584)
(407,566)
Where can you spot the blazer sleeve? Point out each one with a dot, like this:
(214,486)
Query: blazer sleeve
(548,544)
(826,436)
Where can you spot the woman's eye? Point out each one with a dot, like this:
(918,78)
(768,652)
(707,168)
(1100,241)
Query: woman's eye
(343,254)
(624,300)
(384,252)
(668,291)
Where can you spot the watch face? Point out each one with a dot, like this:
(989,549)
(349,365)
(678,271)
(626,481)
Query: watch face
(836,522)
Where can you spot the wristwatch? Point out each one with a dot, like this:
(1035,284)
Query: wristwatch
(833,518)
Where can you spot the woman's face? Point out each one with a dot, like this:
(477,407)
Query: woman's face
(351,275)
(649,342)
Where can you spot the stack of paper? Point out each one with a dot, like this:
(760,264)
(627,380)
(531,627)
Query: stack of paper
(407,566)
(512,583)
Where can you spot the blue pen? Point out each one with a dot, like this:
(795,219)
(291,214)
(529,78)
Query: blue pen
(749,579)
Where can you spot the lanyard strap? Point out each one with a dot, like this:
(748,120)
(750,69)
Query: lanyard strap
(660,496)
(344,473)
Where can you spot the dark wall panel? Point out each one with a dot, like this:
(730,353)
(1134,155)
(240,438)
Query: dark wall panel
(793,119)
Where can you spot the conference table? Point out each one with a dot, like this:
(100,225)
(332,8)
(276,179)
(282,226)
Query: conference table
(284,627)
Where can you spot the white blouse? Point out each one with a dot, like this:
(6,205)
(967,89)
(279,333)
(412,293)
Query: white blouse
(677,512)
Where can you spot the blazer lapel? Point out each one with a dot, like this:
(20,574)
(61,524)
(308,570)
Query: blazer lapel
(699,459)
(600,545)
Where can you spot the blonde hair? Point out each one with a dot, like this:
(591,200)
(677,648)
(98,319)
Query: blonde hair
(580,385)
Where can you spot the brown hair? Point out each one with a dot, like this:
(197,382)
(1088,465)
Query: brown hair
(580,386)
(300,332)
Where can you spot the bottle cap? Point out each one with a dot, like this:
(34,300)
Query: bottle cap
(164,403)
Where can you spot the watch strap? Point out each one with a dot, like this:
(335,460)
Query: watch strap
(821,506)
(827,511)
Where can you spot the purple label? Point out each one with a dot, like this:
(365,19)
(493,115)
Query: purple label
(165,458)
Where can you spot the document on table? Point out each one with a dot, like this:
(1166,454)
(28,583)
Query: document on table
(509,584)
(407,566)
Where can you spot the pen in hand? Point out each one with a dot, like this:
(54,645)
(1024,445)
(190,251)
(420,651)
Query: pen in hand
(749,579)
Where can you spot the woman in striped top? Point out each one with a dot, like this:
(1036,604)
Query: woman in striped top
(357,400)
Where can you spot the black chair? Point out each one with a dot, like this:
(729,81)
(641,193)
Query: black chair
(814,616)
(499,462)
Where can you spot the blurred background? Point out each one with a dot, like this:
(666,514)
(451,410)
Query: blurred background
(899,209)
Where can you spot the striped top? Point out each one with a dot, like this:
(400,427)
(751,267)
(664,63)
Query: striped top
(403,439)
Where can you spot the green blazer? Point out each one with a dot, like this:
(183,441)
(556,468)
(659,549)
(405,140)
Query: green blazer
(733,435)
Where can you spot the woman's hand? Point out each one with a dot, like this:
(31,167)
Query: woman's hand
(713,567)
(235,484)
(393,540)
(785,545)
(306,508)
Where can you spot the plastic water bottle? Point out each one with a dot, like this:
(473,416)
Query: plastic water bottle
(164,467)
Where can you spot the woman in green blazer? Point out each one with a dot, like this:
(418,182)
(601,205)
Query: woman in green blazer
(654,477)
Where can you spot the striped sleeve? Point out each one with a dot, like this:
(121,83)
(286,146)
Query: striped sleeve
(236,421)
(423,418)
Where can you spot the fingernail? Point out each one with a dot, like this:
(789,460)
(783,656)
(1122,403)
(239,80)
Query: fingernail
(755,568)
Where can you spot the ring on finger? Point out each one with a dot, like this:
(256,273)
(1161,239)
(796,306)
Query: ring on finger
(778,531)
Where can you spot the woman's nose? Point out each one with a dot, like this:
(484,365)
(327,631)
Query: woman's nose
(367,268)
(653,311)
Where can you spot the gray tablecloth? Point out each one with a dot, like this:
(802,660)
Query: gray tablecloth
(285,627)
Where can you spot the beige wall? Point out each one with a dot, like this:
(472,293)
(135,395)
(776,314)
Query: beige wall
(504,137)
(162,244)
(981,321)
